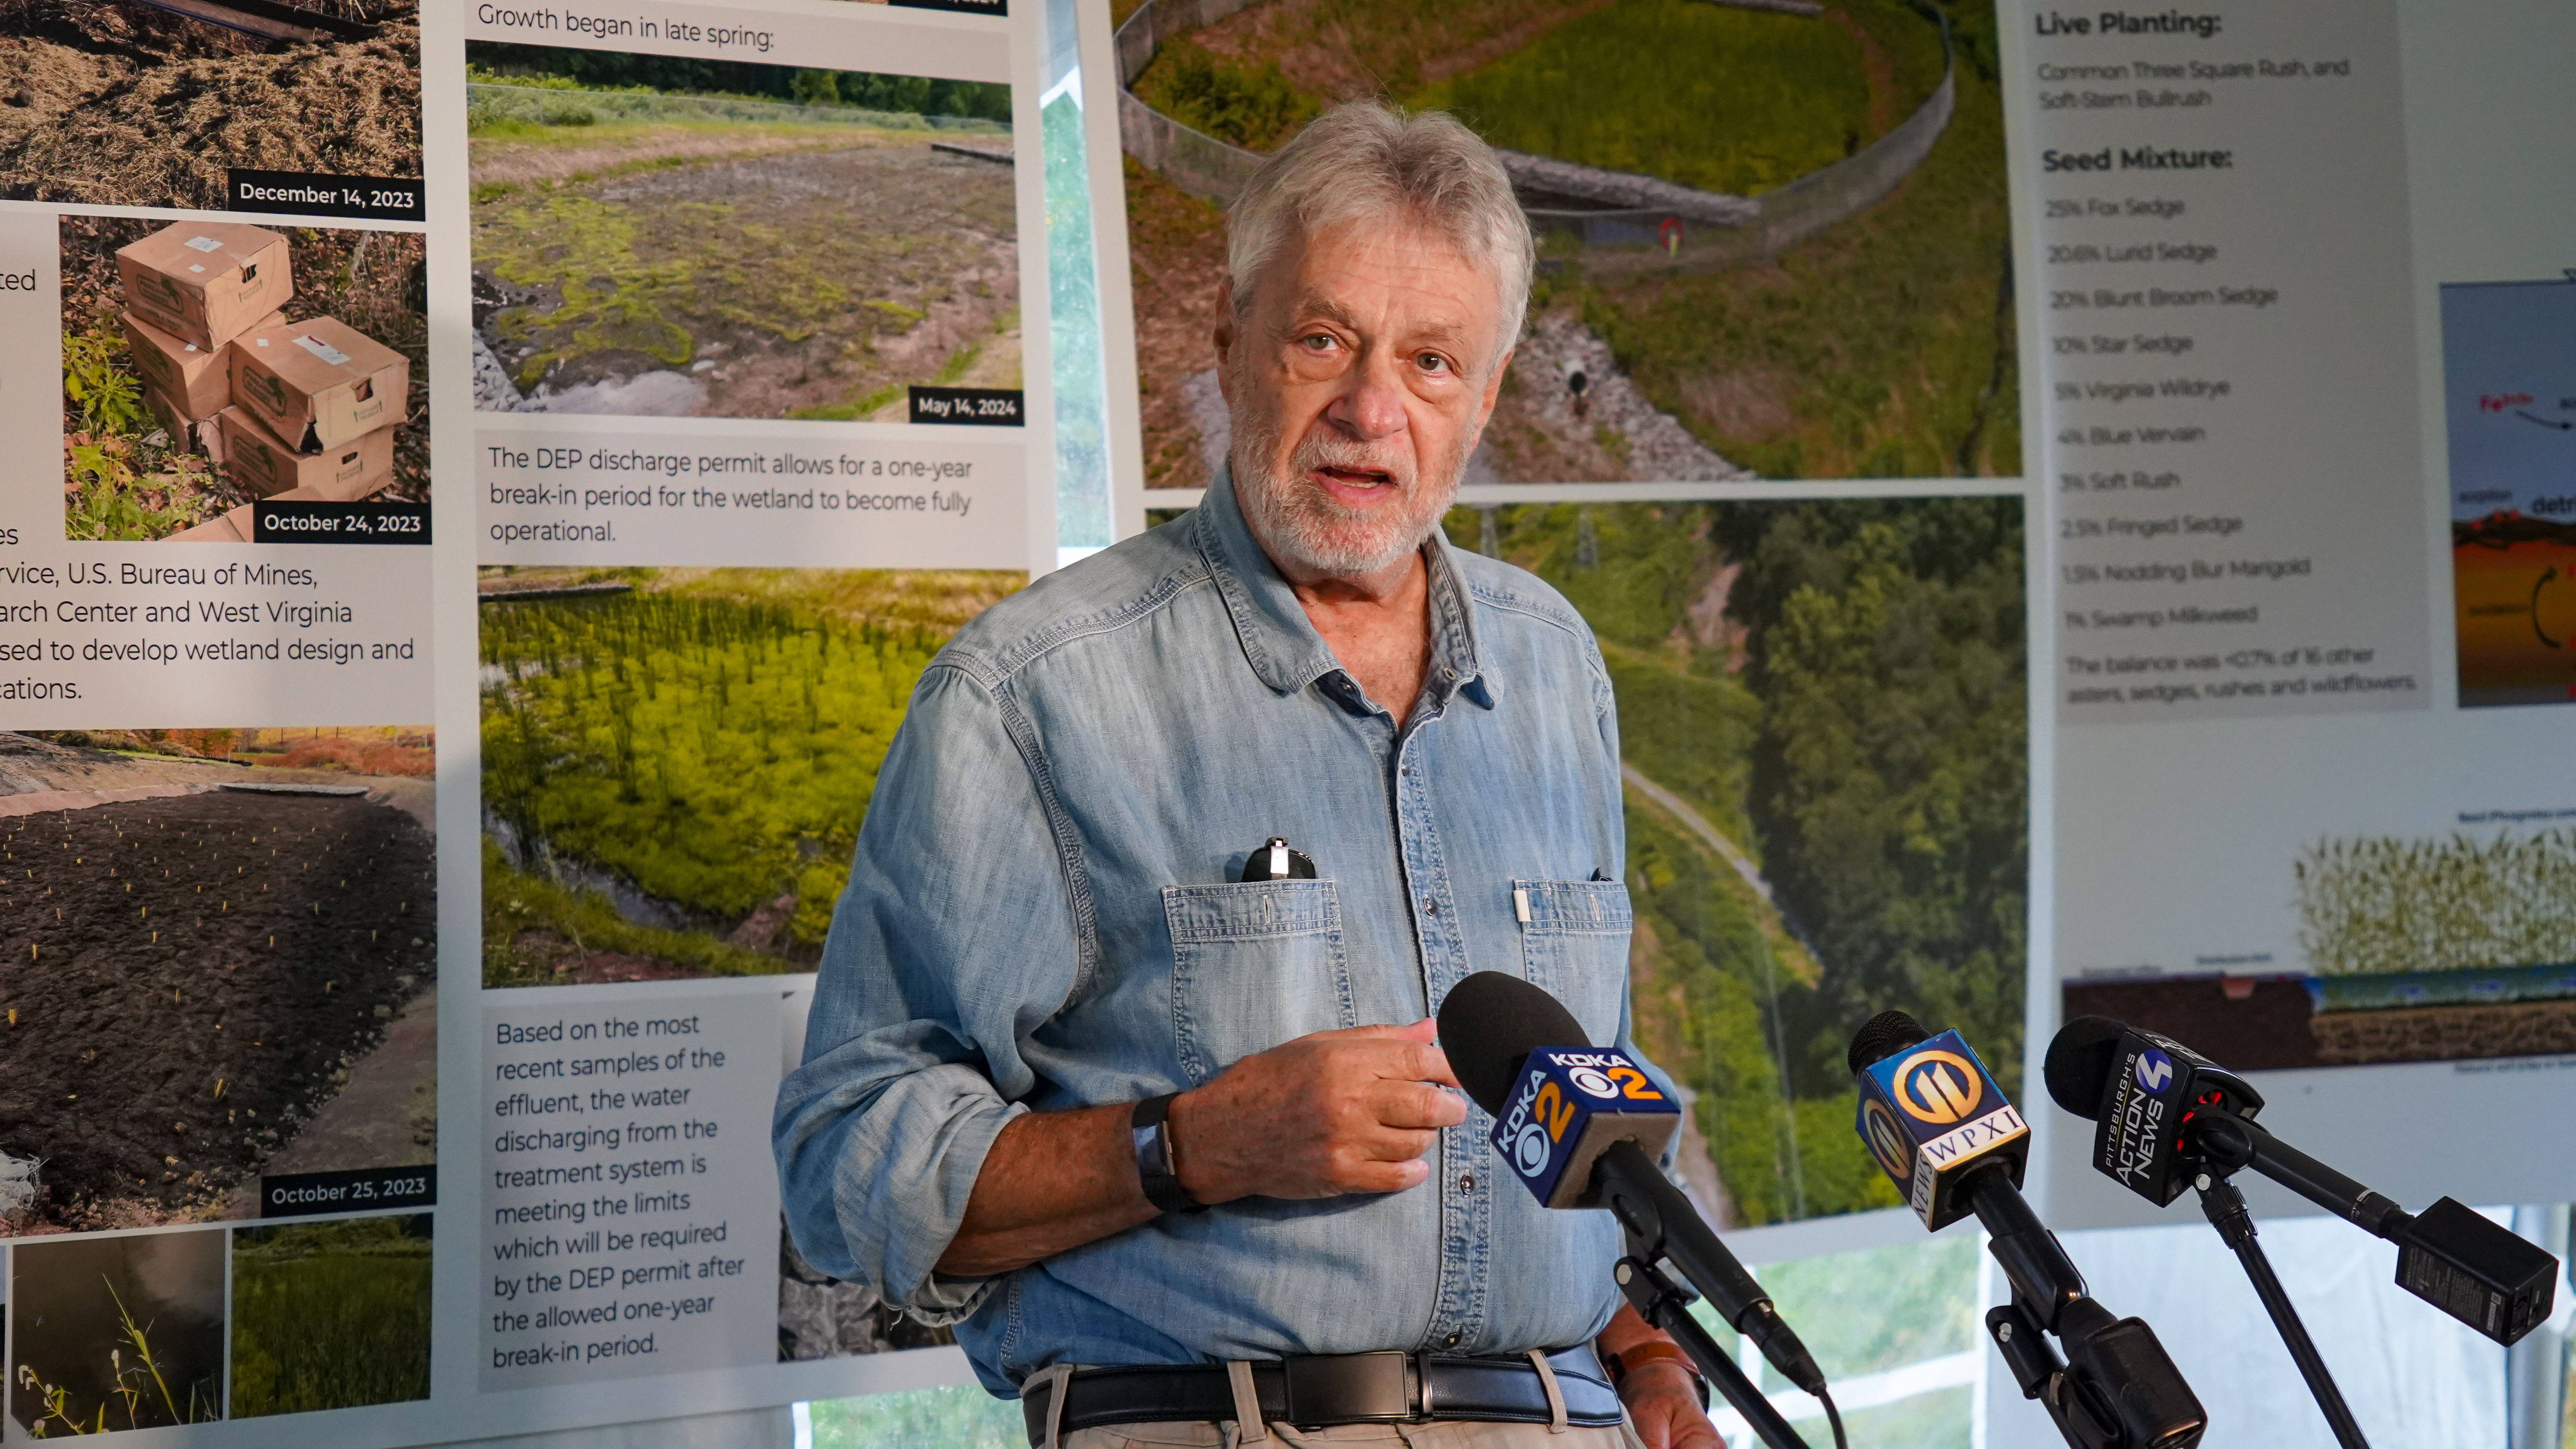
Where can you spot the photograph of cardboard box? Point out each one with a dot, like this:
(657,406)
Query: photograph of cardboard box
(192,377)
(206,282)
(319,383)
(185,432)
(263,464)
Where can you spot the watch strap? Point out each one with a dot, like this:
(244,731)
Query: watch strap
(1150,1129)
(1653,1350)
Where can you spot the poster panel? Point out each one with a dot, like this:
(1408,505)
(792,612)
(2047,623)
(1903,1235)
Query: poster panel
(718,325)
(2308,816)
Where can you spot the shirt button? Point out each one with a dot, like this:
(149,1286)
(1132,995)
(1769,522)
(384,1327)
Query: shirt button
(1430,907)
(1451,1341)
(1467,1183)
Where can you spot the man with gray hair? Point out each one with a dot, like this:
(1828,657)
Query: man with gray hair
(1119,1060)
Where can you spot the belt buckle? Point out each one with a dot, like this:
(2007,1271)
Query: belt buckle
(1350,1388)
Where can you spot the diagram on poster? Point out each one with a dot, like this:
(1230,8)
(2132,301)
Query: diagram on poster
(2509,400)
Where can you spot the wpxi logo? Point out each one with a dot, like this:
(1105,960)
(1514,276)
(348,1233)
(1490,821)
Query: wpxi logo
(2155,1071)
(1886,1139)
(1938,1087)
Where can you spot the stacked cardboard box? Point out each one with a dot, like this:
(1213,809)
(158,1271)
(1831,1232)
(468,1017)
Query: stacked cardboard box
(306,407)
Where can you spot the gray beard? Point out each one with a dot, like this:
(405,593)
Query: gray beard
(1304,528)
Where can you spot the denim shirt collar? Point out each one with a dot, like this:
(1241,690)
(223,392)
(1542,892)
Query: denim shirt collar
(1280,642)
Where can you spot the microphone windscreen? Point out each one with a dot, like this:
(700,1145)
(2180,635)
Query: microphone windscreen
(1490,1023)
(2079,1063)
(1881,1037)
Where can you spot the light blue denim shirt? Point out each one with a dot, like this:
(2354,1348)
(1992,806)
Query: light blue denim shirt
(1042,915)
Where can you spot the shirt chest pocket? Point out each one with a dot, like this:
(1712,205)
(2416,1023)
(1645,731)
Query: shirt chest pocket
(1254,965)
(1574,942)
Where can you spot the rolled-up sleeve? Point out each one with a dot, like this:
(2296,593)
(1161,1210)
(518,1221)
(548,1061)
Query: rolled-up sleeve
(955,938)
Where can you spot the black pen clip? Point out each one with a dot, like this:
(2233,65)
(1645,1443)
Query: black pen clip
(1273,860)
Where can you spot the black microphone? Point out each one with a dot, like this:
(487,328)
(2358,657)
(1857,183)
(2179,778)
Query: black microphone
(1490,1024)
(1941,1129)
(2166,1118)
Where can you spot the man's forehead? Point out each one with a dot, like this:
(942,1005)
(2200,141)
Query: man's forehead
(1400,274)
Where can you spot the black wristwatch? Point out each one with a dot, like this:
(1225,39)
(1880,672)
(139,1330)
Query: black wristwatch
(1151,1131)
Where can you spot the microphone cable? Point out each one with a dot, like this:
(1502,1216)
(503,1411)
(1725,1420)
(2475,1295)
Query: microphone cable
(1834,1419)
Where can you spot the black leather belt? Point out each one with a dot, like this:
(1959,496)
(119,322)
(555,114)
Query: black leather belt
(1325,1389)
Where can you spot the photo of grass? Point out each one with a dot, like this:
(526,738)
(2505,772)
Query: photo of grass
(330,1315)
(216,964)
(140,463)
(2452,948)
(1822,726)
(130,103)
(116,1333)
(1775,239)
(676,761)
(679,238)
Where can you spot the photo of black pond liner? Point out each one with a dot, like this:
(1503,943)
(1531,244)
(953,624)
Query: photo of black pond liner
(330,1315)
(217,962)
(679,238)
(116,1333)
(152,102)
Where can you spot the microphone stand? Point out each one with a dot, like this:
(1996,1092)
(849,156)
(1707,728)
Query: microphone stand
(2115,1388)
(1660,1223)
(2225,1208)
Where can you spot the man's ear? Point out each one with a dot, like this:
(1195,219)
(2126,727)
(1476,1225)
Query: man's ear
(1223,336)
(1493,390)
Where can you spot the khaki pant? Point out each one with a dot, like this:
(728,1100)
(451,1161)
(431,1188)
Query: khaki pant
(1454,1434)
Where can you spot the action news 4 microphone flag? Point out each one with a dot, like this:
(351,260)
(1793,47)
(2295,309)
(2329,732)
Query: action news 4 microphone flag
(2167,1118)
(1927,1115)
(1572,1104)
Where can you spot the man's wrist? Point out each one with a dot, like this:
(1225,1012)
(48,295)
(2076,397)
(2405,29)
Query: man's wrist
(1157,1158)
(1645,1362)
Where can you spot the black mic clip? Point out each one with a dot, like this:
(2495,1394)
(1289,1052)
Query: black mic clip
(2117,1389)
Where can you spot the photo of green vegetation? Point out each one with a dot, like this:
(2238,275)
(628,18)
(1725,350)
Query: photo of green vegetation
(676,761)
(330,1315)
(1823,726)
(1878,342)
(673,238)
(118,1333)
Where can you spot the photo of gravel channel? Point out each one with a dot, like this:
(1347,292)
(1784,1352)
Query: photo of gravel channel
(116,1333)
(676,761)
(152,102)
(679,238)
(1775,235)
(217,964)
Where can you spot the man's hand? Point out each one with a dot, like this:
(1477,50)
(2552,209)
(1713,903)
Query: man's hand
(1661,1395)
(1332,1113)
(1663,1406)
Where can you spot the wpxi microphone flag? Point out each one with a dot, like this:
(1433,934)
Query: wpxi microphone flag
(1570,1105)
(1931,1111)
